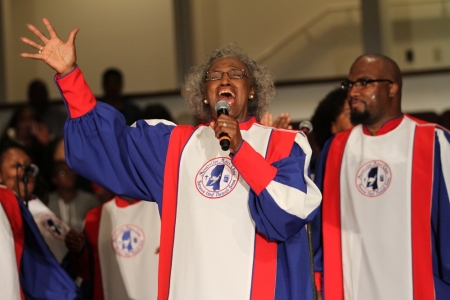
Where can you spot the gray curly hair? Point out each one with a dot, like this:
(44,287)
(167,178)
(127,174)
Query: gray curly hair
(194,86)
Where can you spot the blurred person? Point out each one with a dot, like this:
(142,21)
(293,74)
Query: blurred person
(58,154)
(385,218)
(28,268)
(112,83)
(68,202)
(53,116)
(157,111)
(13,161)
(26,130)
(118,249)
(331,116)
(222,206)
(103,195)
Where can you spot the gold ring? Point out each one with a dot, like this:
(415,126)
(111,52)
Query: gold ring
(40,50)
(225,124)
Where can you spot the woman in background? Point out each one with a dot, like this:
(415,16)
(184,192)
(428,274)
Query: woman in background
(15,166)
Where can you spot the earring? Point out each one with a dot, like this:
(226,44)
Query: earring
(205,101)
(251,97)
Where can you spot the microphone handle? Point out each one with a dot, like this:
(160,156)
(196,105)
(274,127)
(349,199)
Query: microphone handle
(304,130)
(224,139)
(222,110)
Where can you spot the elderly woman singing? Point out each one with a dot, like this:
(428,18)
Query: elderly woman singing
(233,195)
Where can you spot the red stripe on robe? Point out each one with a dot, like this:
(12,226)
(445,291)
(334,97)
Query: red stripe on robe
(12,210)
(265,261)
(178,140)
(421,193)
(331,213)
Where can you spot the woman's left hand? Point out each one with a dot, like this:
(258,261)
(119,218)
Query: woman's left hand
(59,55)
(230,126)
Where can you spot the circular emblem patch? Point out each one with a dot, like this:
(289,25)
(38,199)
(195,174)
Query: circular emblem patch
(217,178)
(373,178)
(54,225)
(128,240)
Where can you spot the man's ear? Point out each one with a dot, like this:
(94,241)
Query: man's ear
(393,88)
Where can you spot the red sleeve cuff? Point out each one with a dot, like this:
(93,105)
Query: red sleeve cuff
(76,93)
(257,172)
(318,280)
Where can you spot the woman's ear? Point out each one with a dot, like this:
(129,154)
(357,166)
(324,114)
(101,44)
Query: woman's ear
(252,94)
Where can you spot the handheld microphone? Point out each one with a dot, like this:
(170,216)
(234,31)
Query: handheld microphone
(306,127)
(222,107)
(30,169)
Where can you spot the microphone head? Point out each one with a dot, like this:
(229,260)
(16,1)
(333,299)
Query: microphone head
(31,169)
(222,105)
(306,126)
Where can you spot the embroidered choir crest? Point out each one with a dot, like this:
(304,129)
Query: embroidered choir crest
(373,178)
(54,225)
(128,240)
(217,178)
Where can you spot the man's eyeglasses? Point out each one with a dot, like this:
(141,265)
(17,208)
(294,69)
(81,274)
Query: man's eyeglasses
(232,74)
(360,83)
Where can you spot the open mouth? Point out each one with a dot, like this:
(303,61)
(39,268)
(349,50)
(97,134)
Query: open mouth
(226,95)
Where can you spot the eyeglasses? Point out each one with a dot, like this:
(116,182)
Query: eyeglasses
(232,74)
(360,83)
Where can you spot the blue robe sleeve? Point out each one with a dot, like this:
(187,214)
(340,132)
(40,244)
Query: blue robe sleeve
(129,161)
(41,276)
(282,198)
(316,224)
(440,215)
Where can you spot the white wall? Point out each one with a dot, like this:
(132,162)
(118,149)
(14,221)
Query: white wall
(136,36)
(329,41)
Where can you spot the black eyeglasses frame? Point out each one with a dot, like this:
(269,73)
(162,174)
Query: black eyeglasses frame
(363,82)
(244,75)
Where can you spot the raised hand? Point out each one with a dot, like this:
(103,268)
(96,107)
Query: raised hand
(282,121)
(59,55)
(267,119)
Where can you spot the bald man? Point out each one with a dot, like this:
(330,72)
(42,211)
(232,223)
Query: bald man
(384,227)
